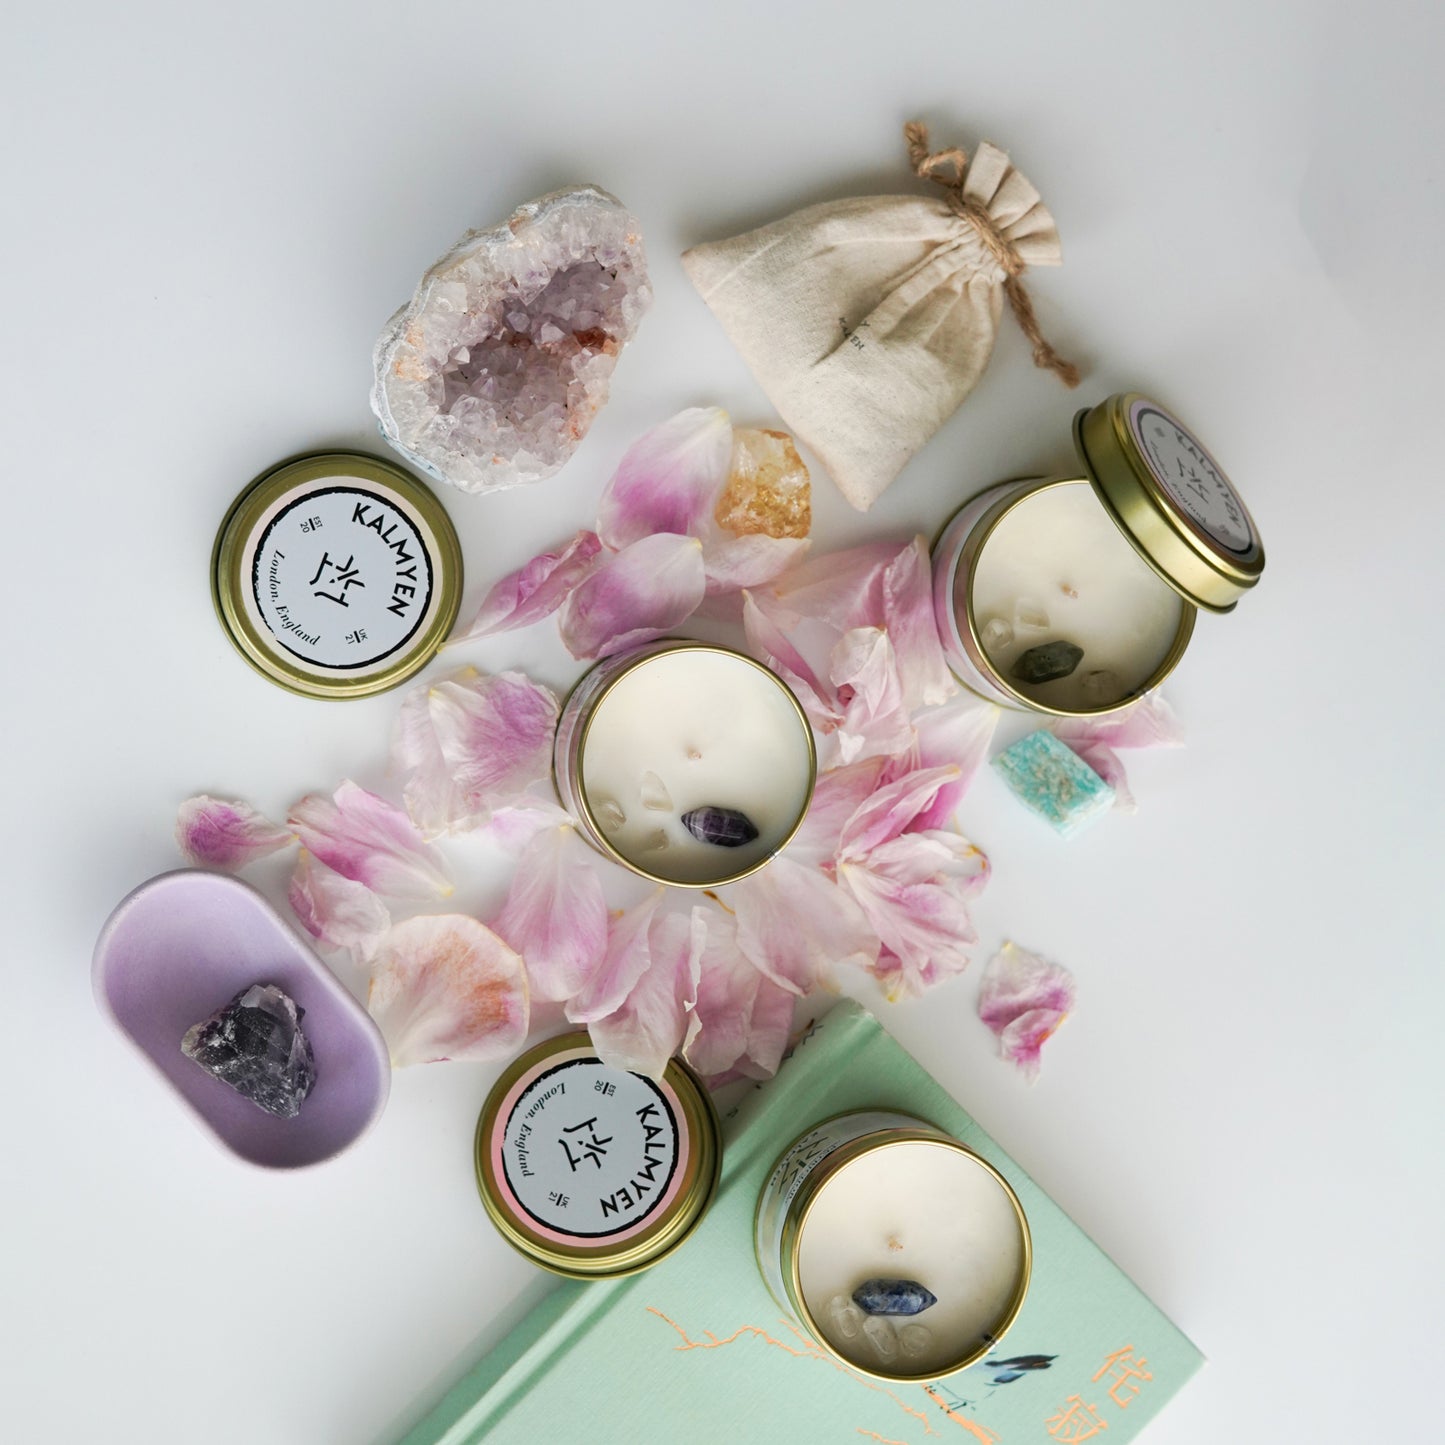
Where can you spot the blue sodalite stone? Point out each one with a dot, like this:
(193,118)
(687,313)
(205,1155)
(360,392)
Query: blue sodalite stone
(893,1297)
(724,827)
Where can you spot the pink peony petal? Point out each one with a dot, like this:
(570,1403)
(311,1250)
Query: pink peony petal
(514,826)
(669,480)
(893,809)
(647,589)
(340,912)
(839,793)
(874,720)
(914,892)
(907,588)
(649,1026)
(741,1023)
(956,735)
(1148,723)
(734,563)
(842,590)
(213,833)
(366,838)
(446,987)
(1023,999)
(555,915)
(794,922)
(769,643)
(472,743)
(624,962)
(534,591)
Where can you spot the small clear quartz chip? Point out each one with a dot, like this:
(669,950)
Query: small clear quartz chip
(655,794)
(915,1340)
(997,634)
(1101,686)
(882,1336)
(1030,616)
(609,814)
(845,1317)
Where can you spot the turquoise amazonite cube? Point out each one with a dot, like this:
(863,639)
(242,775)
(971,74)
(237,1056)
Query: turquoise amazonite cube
(1055,782)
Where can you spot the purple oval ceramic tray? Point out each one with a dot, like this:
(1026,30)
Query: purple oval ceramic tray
(181,946)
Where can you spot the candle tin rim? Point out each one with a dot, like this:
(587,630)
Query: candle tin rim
(1198,569)
(796,1217)
(972,644)
(228,565)
(664,1235)
(649,652)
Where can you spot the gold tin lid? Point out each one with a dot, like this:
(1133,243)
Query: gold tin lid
(1171,499)
(590,1171)
(337,574)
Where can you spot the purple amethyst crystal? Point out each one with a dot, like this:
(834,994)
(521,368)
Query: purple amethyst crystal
(255,1045)
(723,827)
(893,1297)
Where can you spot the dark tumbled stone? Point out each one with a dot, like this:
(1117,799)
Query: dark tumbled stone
(255,1045)
(1047,662)
(893,1297)
(725,827)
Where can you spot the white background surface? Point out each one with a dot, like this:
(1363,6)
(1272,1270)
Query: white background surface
(211,212)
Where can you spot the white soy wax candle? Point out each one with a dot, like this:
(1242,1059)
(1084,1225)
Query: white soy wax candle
(879,1196)
(690,764)
(1075,595)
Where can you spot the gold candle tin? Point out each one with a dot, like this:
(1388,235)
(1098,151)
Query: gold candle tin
(574,727)
(336,575)
(592,1172)
(790,1196)
(1169,499)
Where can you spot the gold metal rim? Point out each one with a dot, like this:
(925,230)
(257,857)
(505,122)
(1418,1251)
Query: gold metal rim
(601,1261)
(973,643)
(1196,567)
(228,572)
(797,1218)
(654,650)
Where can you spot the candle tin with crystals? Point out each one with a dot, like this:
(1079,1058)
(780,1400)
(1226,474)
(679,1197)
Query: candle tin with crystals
(590,1171)
(688,763)
(336,575)
(1074,595)
(879,1206)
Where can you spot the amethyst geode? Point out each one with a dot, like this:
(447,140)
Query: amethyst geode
(491,375)
(255,1044)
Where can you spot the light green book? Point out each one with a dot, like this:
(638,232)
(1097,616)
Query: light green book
(695,1351)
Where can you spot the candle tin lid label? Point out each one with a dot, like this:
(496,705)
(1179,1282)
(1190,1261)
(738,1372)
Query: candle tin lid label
(1171,499)
(593,1171)
(337,575)
(589,1152)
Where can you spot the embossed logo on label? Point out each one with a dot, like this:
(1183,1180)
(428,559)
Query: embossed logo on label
(1188,474)
(341,577)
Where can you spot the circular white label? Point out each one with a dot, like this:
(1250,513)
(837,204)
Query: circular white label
(341,577)
(1188,474)
(589,1151)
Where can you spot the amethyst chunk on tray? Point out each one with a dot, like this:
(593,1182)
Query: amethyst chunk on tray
(255,1045)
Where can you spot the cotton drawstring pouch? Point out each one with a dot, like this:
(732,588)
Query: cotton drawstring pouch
(868,321)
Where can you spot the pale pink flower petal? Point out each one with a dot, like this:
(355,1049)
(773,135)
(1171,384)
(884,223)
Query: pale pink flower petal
(956,735)
(874,720)
(838,794)
(446,987)
(555,915)
(647,589)
(669,480)
(734,563)
(366,838)
(914,892)
(213,833)
(625,961)
(842,590)
(794,922)
(514,826)
(893,809)
(907,616)
(769,643)
(1023,999)
(741,1023)
(1148,723)
(649,1027)
(471,743)
(339,912)
(535,590)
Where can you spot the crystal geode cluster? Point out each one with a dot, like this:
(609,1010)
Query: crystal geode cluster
(491,375)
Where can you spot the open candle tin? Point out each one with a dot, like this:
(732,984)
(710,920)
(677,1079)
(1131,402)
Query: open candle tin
(337,575)
(714,728)
(860,1172)
(592,1172)
(1163,493)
